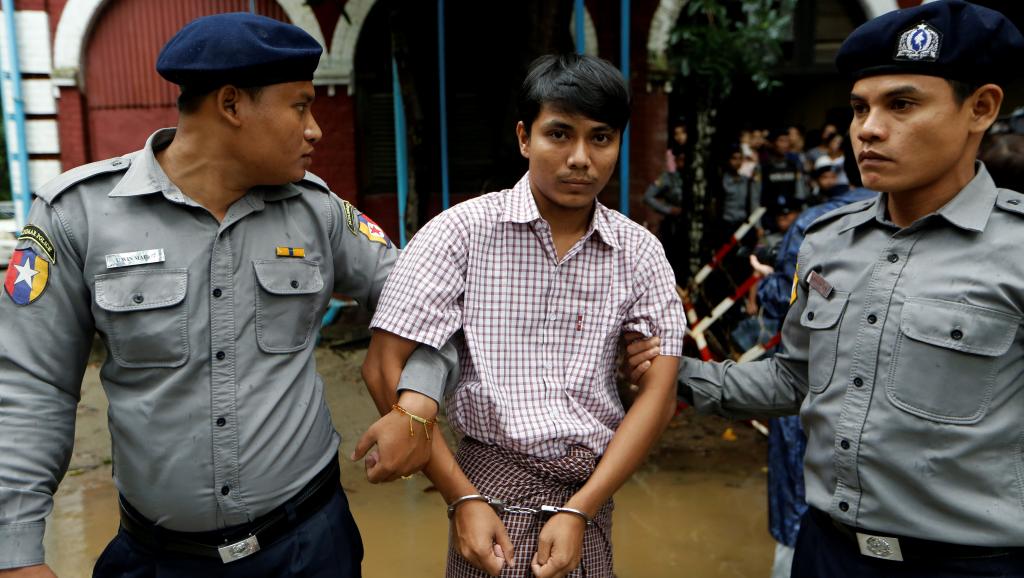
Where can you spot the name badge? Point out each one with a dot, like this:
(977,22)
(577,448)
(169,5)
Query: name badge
(135,258)
(819,284)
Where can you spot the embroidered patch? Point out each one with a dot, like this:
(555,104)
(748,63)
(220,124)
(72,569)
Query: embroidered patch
(37,236)
(921,42)
(350,215)
(27,276)
(135,258)
(291,252)
(372,231)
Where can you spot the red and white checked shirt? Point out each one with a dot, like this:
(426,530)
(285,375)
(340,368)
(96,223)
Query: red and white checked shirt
(541,336)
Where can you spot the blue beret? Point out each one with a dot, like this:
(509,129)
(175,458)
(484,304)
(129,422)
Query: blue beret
(948,38)
(238,48)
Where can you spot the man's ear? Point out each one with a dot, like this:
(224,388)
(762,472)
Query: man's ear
(985,104)
(524,139)
(227,99)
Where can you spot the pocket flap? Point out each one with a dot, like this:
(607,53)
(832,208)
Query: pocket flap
(289,276)
(821,313)
(958,326)
(141,290)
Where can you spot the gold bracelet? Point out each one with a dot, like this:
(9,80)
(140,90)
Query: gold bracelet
(427,423)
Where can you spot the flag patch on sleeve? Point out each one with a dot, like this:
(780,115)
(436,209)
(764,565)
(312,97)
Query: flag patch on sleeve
(27,276)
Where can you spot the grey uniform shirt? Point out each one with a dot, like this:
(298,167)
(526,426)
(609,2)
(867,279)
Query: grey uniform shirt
(217,414)
(906,367)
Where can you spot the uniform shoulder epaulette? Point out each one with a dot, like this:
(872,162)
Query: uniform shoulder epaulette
(1011,201)
(316,181)
(55,187)
(850,209)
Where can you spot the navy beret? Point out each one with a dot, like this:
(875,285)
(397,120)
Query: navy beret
(238,48)
(948,38)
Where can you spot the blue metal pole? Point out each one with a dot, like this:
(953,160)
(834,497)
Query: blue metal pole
(443,97)
(401,151)
(20,189)
(624,151)
(581,40)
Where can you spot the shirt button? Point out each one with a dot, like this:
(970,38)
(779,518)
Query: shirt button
(957,334)
(227,490)
(220,355)
(553,317)
(138,298)
(1013,202)
(294,284)
(221,422)
(857,382)
(217,292)
(872,319)
(844,506)
(844,444)
(810,315)
(893,257)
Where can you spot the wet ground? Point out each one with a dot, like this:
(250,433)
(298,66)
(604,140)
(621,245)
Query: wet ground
(696,509)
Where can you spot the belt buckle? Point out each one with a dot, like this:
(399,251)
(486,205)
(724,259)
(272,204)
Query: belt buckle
(884,547)
(238,550)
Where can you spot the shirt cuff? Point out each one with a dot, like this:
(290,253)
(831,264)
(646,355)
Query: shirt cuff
(21,545)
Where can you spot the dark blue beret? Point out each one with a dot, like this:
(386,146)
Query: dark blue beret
(948,38)
(238,48)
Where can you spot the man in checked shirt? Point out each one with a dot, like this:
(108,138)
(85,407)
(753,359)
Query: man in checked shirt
(542,279)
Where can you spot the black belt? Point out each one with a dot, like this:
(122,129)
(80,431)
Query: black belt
(912,548)
(237,542)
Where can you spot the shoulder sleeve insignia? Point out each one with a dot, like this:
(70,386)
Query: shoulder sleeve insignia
(39,239)
(27,276)
(796,281)
(350,213)
(372,231)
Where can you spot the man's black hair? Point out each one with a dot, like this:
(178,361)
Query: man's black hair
(575,84)
(190,98)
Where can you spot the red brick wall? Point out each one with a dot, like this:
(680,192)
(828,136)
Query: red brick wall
(335,158)
(71,128)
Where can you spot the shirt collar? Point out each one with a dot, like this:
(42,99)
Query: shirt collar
(145,176)
(521,207)
(968,210)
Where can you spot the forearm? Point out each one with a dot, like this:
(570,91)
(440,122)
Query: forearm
(445,472)
(644,422)
(382,370)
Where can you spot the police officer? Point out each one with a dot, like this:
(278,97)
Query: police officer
(903,346)
(204,261)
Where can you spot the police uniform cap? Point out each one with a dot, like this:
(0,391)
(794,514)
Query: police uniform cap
(238,48)
(948,38)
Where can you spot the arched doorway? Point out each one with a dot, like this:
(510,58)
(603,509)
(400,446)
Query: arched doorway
(126,98)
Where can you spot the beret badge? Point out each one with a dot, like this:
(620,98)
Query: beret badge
(920,43)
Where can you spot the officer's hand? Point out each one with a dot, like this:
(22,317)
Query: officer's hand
(559,546)
(398,452)
(639,353)
(38,571)
(481,538)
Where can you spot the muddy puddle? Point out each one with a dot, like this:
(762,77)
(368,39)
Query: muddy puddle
(696,509)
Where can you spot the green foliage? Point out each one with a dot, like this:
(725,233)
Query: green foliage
(711,46)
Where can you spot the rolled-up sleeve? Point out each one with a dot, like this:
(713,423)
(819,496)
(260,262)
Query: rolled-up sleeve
(44,347)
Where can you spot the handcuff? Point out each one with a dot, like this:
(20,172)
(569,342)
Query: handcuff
(543,513)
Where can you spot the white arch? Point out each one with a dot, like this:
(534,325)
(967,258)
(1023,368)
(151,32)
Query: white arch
(665,17)
(79,17)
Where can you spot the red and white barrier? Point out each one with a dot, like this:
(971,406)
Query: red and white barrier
(726,304)
(757,351)
(729,246)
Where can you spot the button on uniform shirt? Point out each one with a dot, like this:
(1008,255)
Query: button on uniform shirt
(541,334)
(217,414)
(904,355)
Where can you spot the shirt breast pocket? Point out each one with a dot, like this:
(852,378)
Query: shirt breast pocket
(944,360)
(145,316)
(286,303)
(822,317)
